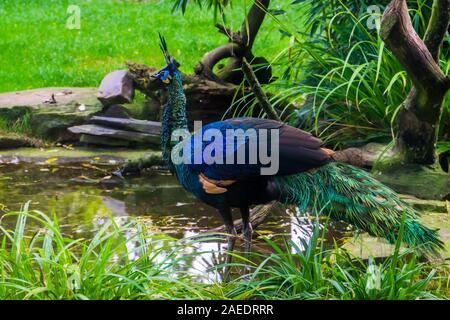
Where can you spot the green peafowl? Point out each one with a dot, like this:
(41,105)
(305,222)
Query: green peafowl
(307,177)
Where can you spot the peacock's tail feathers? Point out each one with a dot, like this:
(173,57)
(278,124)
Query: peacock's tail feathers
(353,196)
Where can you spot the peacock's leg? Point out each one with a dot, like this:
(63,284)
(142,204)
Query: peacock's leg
(231,230)
(247,232)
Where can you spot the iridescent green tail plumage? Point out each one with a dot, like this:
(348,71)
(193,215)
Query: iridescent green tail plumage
(352,195)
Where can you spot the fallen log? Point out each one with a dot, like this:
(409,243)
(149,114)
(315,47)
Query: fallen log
(207,101)
(364,157)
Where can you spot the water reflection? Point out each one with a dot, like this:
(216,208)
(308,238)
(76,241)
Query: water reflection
(302,228)
(204,265)
(84,203)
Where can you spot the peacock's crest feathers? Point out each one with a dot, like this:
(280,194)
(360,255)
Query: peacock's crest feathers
(353,196)
(171,62)
(164,49)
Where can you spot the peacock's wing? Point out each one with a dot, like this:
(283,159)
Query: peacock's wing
(298,150)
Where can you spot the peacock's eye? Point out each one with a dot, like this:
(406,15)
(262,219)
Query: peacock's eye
(165,76)
(167,79)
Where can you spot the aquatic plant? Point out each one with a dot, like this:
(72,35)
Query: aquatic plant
(37,261)
(320,273)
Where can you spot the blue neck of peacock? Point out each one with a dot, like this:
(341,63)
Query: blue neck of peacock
(174,115)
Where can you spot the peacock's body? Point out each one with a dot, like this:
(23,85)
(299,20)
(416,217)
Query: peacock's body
(307,176)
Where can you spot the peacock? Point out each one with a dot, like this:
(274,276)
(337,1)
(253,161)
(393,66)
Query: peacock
(307,176)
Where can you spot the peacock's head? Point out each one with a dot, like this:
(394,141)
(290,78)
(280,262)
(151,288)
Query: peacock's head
(167,73)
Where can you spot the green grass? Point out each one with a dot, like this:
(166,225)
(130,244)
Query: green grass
(117,263)
(37,50)
(17,122)
(37,261)
(319,273)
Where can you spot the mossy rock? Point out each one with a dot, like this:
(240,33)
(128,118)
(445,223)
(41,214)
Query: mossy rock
(12,140)
(47,113)
(59,156)
(420,181)
(423,205)
(437,217)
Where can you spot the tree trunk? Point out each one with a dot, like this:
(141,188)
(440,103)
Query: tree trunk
(240,46)
(419,117)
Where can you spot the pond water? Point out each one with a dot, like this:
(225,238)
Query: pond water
(83,201)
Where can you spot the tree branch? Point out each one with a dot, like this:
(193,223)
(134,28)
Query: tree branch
(437,27)
(234,37)
(258,91)
(240,46)
(205,67)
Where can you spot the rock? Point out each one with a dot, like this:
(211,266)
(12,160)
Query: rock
(61,156)
(53,126)
(425,205)
(71,107)
(364,246)
(440,221)
(136,166)
(150,127)
(430,183)
(50,121)
(103,141)
(111,182)
(10,140)
(38,98)
(116,111)
(434,216)
(101,131)
(117,87)
(151,109)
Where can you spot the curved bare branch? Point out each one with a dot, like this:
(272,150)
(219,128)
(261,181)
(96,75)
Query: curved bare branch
(205,67)
(240,45)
